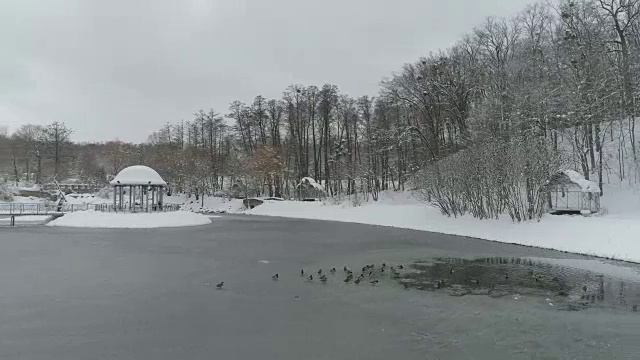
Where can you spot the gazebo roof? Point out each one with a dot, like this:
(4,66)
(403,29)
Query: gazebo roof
(138,175)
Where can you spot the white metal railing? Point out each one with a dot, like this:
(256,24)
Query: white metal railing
(45,209)
(136,208)
(26,209)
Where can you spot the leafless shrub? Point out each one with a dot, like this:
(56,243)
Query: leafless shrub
(489,179)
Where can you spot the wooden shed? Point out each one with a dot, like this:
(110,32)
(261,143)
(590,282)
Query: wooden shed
(309,189)
(570,192)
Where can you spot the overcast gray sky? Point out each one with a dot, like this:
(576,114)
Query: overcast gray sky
(123,68)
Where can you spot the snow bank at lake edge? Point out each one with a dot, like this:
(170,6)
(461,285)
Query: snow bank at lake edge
(603,236)
(609,235)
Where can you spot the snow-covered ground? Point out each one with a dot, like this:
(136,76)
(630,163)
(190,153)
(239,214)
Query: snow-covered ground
(75,199)
(25,200)
(212,204)
(96,219)
(81,199)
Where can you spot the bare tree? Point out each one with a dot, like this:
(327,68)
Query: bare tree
(56,138)
(623,13)
(33,135)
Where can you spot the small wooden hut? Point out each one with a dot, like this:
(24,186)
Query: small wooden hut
(309,189)
(569,192)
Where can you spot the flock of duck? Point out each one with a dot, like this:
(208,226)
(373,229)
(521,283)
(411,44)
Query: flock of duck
(368,272)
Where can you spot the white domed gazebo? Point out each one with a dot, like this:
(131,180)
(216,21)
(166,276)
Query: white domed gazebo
(143,183)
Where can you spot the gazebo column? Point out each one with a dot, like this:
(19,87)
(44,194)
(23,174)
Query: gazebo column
(120,205)
(134,199)
(153,198)
(114,196)
(146,198)
(160,196)
(130,196)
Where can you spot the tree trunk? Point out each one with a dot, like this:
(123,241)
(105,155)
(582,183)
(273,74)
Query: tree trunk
(592,156)
(39,168)
(26,161)
(15,169)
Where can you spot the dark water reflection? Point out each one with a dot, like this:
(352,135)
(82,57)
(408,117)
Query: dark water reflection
(568,288)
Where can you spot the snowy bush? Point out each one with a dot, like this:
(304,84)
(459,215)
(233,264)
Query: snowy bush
(105,193)
(333,200)
(5,194)
(356,200)
(491,179)
(221,193)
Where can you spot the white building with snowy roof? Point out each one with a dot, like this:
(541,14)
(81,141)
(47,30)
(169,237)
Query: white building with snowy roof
(570,192)
(138,188)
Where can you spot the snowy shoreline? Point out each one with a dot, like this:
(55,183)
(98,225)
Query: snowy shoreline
(610,235)
(575,234)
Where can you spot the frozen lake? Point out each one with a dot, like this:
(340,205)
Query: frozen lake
(149,294)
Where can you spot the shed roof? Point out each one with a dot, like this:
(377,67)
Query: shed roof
(310,182)
(138,175)
(574,177)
